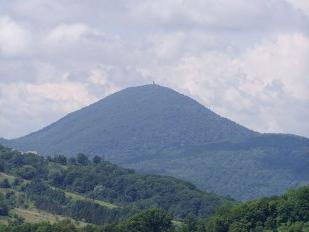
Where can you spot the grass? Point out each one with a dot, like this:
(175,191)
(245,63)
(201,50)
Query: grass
(76,196)
(8,177)
(177,223)
(34,216)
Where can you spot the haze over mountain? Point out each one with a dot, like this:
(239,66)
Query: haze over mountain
(155,129)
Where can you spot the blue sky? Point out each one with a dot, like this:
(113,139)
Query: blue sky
(245,60)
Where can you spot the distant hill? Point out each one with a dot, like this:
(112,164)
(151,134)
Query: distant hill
(265,165)
(154,129)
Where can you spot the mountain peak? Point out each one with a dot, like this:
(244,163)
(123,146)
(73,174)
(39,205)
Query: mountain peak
(131,121)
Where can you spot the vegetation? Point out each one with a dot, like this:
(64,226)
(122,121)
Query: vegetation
(52,194)
(284,213)
(287,213)
(95,191)
(265,165)
(153,220)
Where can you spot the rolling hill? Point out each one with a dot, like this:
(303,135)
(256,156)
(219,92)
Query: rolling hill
(95,192)
(154,129)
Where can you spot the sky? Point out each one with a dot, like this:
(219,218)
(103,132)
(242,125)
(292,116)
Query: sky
(244,59)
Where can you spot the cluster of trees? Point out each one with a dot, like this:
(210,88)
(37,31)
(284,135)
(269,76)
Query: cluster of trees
(80,159)
(288,210)
(101,180)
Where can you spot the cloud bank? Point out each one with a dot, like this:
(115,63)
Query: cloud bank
(245,60)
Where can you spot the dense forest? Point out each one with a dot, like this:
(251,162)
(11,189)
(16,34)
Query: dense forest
(287,213)
(96,191)
(92,195)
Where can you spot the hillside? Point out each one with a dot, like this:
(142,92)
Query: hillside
(154,129)
(95,191)
(286,213)
(265,165)
(138,121)
(289,212)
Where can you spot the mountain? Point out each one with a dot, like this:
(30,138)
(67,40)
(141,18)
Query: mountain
(154,129)
(133,122)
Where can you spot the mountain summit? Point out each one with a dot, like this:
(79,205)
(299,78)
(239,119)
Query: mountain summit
(154,129)
(135,120)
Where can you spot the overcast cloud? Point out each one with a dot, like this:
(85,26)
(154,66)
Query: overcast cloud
(245,59)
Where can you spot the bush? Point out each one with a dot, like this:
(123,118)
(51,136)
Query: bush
(5,183)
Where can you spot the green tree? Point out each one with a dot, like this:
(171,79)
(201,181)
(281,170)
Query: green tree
(97,159)
(82,159)
(27,172)
(153,220)
(5,183)
(4,210)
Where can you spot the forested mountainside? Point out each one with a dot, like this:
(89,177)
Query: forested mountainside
(286,213)
(95,191)
(154,129)
(265,165)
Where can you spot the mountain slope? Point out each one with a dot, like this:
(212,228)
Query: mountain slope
(265,165)
(154,129)
(98,191)
(139,120)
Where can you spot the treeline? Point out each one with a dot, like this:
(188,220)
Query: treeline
(101,180)
(287,213)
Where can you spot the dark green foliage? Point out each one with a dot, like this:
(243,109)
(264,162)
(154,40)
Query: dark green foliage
(288,211)
(245,169)
(103,181)
(60,159)
(82,159)
(3,209)
(72,160)
(27,172)
(153,220)
(97,159)
(5,183)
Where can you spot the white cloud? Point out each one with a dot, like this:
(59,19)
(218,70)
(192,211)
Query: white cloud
(282,59)
(100,78)
(244,59)
(302,5)
(39,103)
(14,38)
(199,11)
(216,14)
(170,46)
(64,34)
(256,88)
